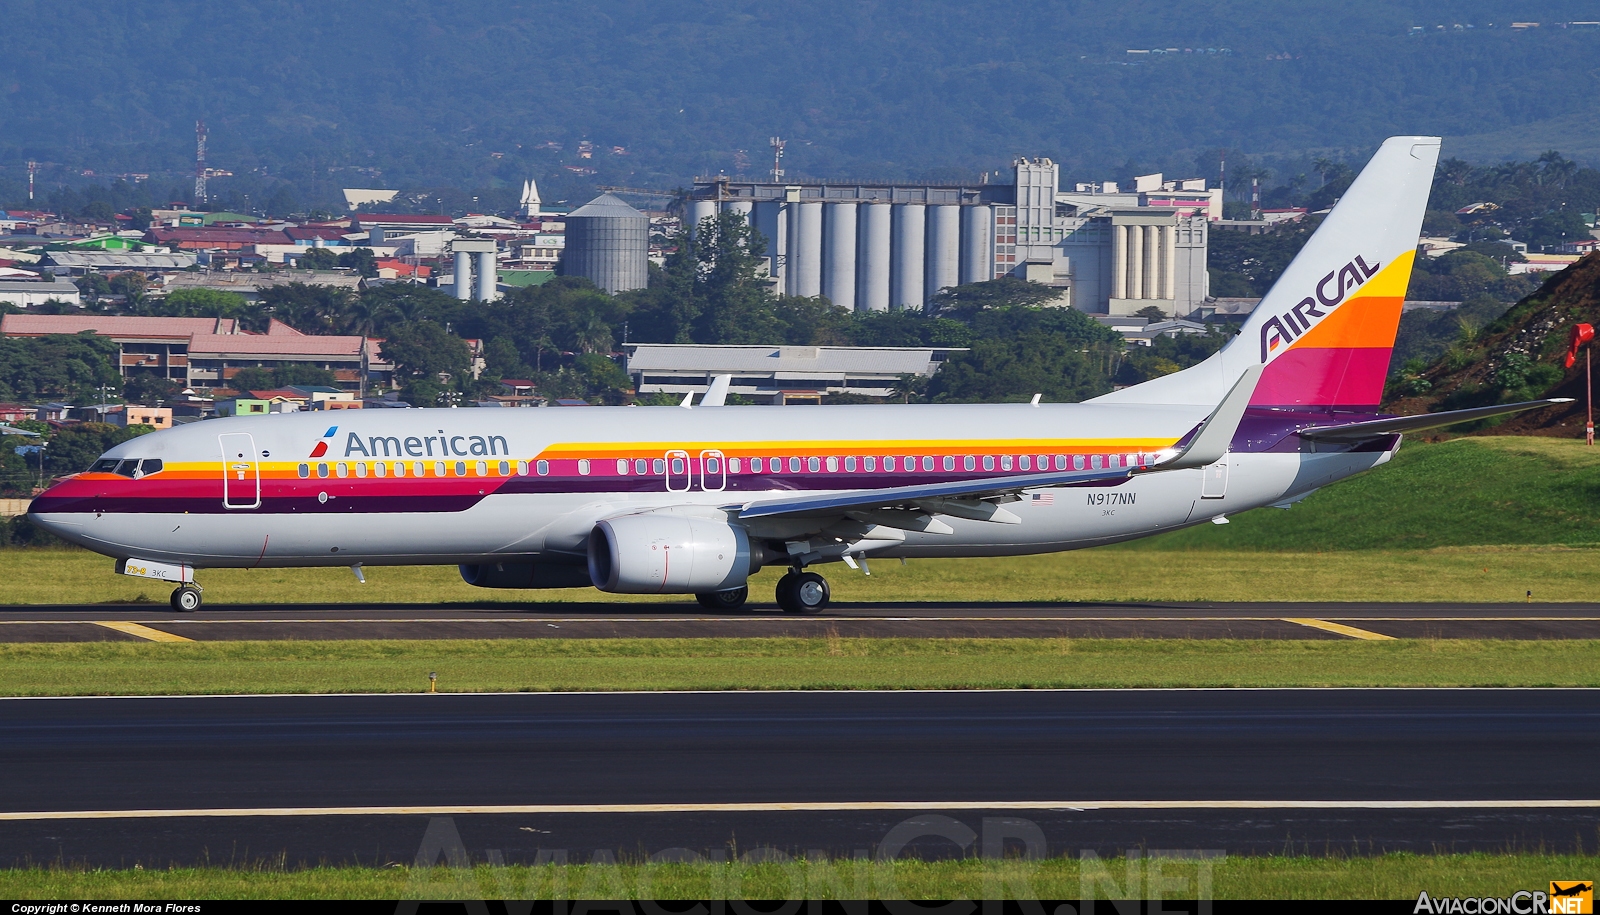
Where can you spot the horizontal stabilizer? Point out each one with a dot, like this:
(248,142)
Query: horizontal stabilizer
(1397,424)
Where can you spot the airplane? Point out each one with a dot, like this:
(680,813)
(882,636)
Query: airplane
(667,500)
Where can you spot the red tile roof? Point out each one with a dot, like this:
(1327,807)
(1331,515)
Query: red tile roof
(263,345)
(32,325)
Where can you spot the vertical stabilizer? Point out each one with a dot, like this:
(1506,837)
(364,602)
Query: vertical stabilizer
(1325,331)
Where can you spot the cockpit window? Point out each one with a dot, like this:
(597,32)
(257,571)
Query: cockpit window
(128,467)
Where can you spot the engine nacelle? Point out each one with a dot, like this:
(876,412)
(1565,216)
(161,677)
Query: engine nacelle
(660,553)
(524,575)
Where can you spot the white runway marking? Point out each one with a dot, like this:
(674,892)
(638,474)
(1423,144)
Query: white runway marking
(799,806)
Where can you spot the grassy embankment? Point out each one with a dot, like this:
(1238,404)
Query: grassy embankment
(537,665)
(1334,877)
(1483,519)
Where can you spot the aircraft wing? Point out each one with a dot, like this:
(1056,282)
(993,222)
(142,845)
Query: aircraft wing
(909,496)
(967,498)
(1396,424)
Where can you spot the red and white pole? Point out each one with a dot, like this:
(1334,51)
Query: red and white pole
(1588,384)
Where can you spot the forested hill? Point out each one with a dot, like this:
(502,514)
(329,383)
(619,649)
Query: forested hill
(305,98)
(1517,358)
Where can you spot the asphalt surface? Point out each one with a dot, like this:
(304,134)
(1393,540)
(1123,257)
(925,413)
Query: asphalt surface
(357,779)
(223,622)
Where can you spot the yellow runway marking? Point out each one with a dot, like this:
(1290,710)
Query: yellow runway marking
(1316,623)
(776,807)
(1341,629)
(143,632)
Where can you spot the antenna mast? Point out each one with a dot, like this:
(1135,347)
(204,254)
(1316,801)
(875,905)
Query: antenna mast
(33,168)
(199,162)
(777,158)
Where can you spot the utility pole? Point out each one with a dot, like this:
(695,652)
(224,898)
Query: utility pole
(33,169)
(777,158)
(199,162)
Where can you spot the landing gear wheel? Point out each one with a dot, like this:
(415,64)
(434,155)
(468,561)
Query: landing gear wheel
(803,593)
(186,599)
(731,599)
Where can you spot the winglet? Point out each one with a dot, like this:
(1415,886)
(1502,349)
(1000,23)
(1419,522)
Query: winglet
(717,394)
(1211,442)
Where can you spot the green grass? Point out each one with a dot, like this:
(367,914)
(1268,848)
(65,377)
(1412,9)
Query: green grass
(1460,493)
(1334,877)
(511,665)
(1552,573)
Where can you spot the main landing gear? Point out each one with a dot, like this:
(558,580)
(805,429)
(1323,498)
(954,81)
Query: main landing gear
(726,601)
(186,599)
(802,593)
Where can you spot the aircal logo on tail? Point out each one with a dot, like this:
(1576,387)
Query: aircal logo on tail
(322,446)
(1281,330)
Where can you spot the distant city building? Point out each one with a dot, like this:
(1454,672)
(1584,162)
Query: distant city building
(208,352)
(23,291)
(608,242)
(780,374)
(872,247)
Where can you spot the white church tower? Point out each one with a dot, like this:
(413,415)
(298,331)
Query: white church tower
(530,198)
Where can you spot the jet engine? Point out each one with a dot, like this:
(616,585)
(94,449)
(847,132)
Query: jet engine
(524,575)
(662,553)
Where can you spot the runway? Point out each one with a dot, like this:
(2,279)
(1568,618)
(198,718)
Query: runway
(302,779)
(225,622)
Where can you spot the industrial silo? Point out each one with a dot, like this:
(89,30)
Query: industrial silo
(608,242)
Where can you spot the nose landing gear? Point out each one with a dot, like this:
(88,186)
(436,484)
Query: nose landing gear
(803,593)
(186,599)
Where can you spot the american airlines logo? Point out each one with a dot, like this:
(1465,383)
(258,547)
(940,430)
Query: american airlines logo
(1283,329)
(322,446)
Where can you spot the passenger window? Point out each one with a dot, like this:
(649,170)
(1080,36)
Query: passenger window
(482,469)
(813,464)
(361,469)
(543,467)
(833,465)
(658,466)
(438,468)
(1094,462)
(1005,462)
(850,464)
(322,471)
(461,468)
(1025,462)
(522,468)
(399,468)
(967,463)
(713,465)
(641,466)
(304,471)
(342,469)
(927,462)
(733,465)
(380,469)
(583,466)
(870,463)
(622,467)
(988,462)
(1077,462)
(888,464)
(1061,462)
(794,465)
(419,469)
(505,468)
(677,466)
(755,465)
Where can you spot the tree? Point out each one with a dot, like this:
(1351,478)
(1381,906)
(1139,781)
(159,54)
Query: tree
(252,378)
(960,302)
(424,350)
(318,259)
(149,389)
(132,286)
(1021,351)
(1152,313)
(74,448)
(361,260)
(199,302)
